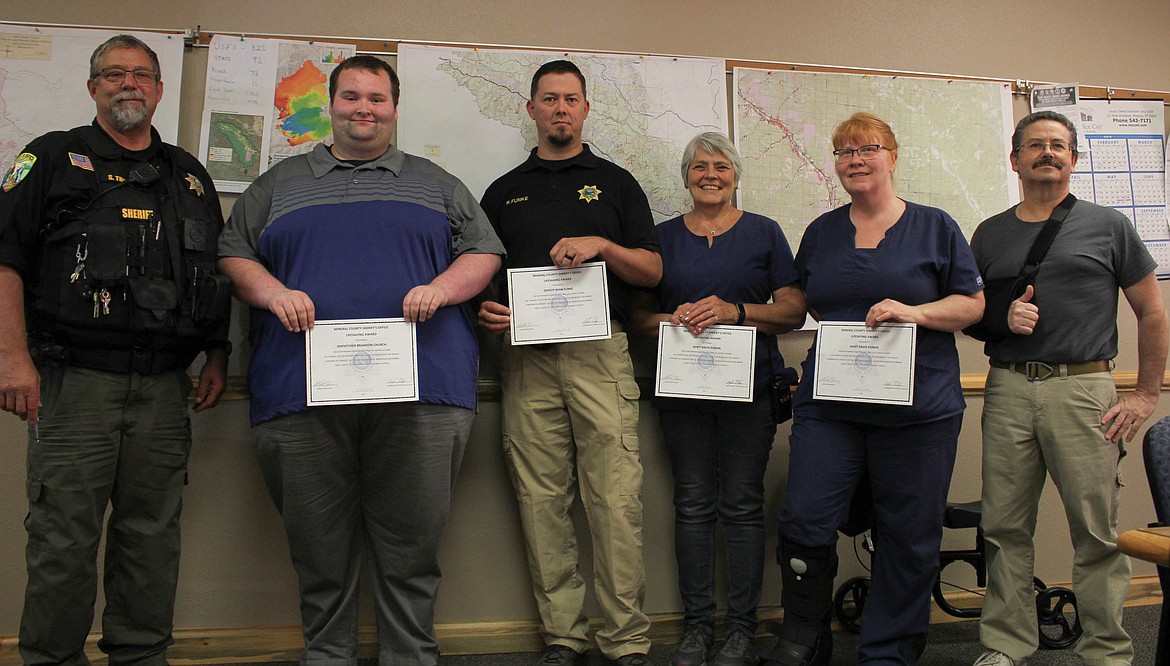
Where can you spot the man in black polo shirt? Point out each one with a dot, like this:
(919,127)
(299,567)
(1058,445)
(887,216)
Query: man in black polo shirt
(571,409)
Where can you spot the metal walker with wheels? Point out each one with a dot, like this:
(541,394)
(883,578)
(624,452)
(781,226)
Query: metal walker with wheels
(1056,607)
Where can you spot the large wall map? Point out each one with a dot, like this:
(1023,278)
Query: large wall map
(953,141)
(43,75)
(464,109)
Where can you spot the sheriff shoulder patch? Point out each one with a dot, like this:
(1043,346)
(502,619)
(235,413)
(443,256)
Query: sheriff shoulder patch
(20,168)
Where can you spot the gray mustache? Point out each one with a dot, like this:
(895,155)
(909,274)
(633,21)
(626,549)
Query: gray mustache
(129,94)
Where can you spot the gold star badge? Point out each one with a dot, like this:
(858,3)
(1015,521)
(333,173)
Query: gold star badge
(589,193)
(194,185)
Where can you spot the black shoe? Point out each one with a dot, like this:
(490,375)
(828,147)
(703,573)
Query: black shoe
(739,650)
(696,643)
(560,655)
(787,653)
(635,659)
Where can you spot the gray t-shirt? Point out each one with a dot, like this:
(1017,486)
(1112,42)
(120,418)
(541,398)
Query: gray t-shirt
(1096,251)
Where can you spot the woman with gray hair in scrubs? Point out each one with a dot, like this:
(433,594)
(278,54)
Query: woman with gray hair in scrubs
(720,266)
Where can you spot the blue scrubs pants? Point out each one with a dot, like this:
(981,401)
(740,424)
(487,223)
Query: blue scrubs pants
(909,468)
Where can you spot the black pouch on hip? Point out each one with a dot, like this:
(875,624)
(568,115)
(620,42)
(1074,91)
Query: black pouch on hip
(780,396)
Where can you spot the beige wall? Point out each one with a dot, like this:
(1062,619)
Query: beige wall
(235,567)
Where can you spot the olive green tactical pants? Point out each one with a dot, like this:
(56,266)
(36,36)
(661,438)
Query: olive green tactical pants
(1032,430)
(106,439)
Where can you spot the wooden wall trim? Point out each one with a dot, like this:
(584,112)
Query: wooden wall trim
(489,389)
(265,644)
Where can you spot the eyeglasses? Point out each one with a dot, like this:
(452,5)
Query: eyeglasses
(143,77)
(1057,147)
(867,152)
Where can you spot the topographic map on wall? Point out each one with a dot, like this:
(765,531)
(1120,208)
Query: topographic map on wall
(953,139)
(43,75)
(464,109)
(266,99)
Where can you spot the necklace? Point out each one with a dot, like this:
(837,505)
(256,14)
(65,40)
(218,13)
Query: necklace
(711,233)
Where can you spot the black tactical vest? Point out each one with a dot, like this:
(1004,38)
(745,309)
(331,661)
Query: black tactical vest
(130,263)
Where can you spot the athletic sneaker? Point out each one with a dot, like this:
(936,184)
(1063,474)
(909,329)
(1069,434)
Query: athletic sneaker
(560,655)
(696,643)
(995,658)
(739,650)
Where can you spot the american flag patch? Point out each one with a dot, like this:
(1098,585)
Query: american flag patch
(80,161)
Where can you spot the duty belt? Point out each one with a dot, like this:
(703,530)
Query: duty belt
(137,361)
(1038,371)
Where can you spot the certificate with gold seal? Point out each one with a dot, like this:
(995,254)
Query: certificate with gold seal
(353,361)
(717,364)
(559,304)
(855,363)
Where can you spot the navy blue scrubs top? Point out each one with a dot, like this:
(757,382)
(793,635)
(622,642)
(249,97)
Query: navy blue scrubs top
(745,264)
(924,257)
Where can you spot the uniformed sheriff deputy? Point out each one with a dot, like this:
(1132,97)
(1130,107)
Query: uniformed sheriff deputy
(107,270)
(570,410)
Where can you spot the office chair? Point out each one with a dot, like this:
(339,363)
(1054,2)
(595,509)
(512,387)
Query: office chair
(1156,453)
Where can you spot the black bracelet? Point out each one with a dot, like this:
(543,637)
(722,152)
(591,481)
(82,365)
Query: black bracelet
(742,314)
